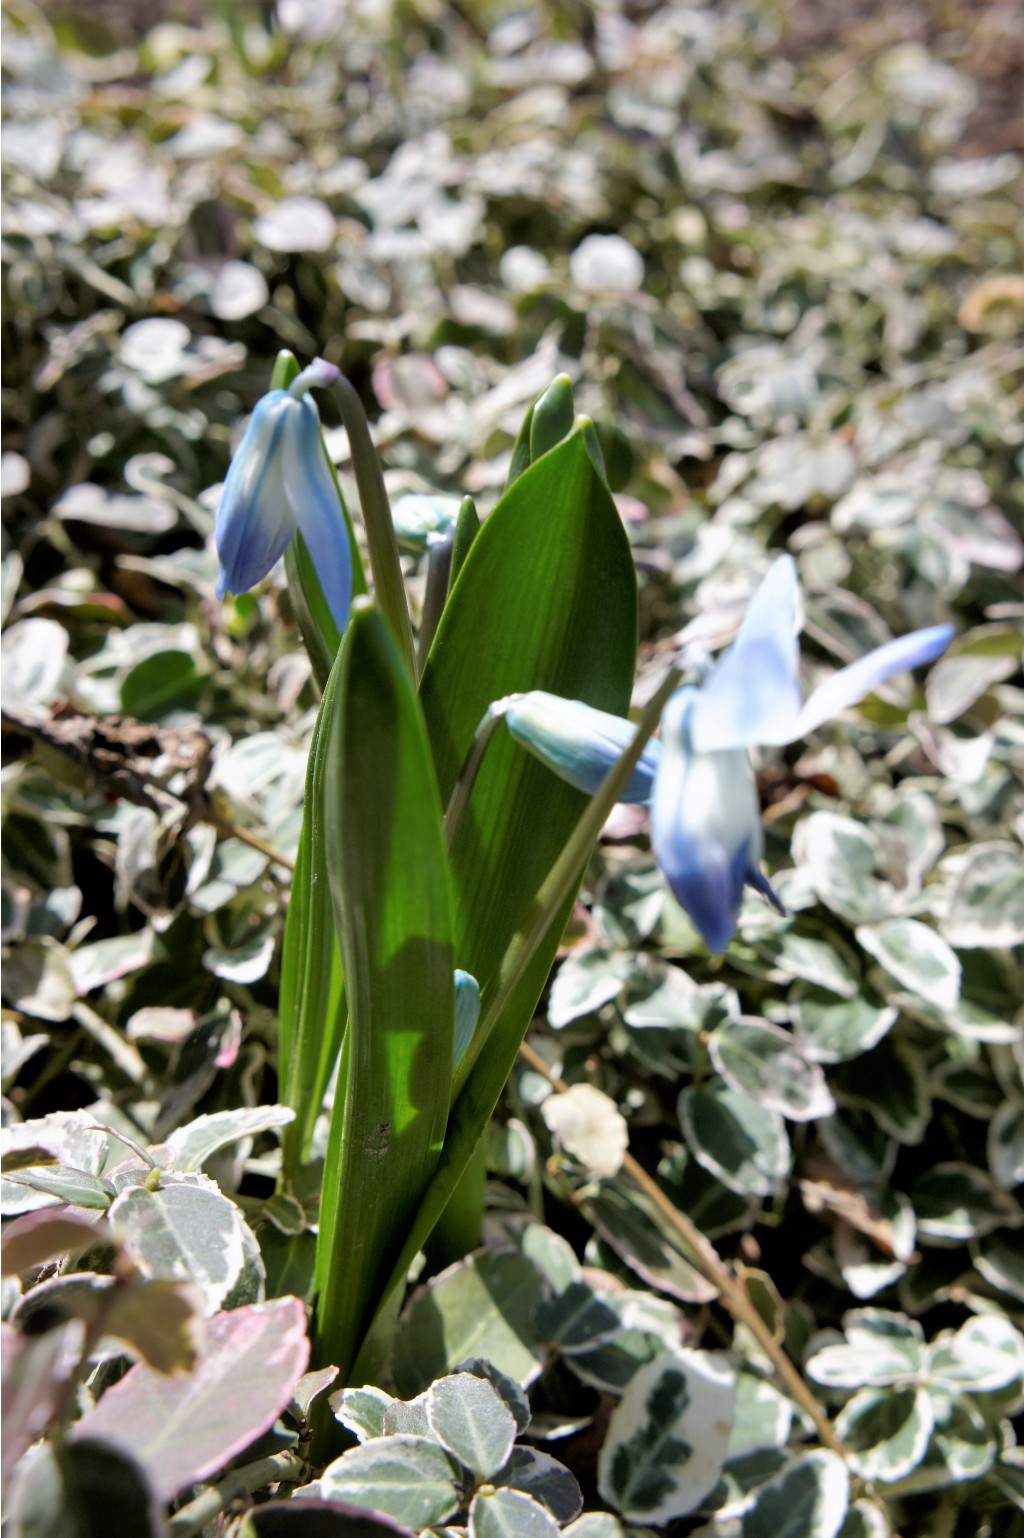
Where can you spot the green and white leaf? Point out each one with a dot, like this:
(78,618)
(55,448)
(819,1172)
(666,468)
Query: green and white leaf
(409,1478)
(1006,1145)
(470,1419)
(955,1201)
(509,1514)
(809,1499)
(886,1430)
(190,1146)
(764,1062)
(362,1410)
(917,957)
(186,1230)
(668,1436)
(985,1354)
(587,978)
(832,1029)
(743,1144)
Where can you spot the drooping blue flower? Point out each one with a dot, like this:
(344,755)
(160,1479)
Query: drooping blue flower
(579,743)
(279,482)
(705,819)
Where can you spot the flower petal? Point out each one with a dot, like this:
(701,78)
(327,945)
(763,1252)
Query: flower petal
(254,521)
(467,1012)
(317,507)
(852,683)
(752,694)
(579,743)
(705,825)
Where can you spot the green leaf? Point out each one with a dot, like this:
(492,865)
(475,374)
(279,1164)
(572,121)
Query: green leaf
(832,1029)
(809,1499)
(915,956)
(668,1436)
(763,1061)
(470,1419)
(168,680)
(886,1431)
(409,1478)
(546,600)
(311,1007)
(547,1480)
(388,872)
(955,1201)
(742,1143)
(509,1514)
(74,1490)
(483,1306)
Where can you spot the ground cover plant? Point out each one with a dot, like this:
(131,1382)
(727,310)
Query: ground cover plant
(692,324)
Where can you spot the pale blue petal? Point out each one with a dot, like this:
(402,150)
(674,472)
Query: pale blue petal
(752,694)
(317,508)
(254,521)
(852,683)
(467,1013)
(705,825)
(579,743)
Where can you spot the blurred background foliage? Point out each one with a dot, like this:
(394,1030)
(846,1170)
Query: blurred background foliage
(777,248)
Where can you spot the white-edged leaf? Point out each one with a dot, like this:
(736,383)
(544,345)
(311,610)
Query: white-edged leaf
(587,978)
(468,1416)
(361,1410)
(986,905)
(962,1447)
(809,1499)
(1006,1145)
(955,1201)
(668,1436)
(545,1479)
(509,1514)
(917,957)
(409,1478)
(71,1137)
(742,1143)
(886,1430)
(185,1231)
(832,1029)
(764,1062)
(985,1354)
(199,1140)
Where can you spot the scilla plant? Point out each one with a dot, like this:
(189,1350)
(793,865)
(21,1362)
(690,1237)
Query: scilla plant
(440,854)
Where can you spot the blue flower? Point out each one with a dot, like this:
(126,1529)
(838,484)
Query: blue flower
(705,819)
(577,742)
(279,482)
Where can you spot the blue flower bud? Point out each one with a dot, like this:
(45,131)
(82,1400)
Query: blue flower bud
(705,826)
(579,743)
(278,482)
(467,1013)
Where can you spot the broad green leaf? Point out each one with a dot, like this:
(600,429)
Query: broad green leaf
(886,1431)
(576,1319)
(668,1436)
(482,1306)
(763,1061)
(742,1143)
(546,600)
(185,1427)
(311,1007)
(409,1478)
(388,871)
(470,1419)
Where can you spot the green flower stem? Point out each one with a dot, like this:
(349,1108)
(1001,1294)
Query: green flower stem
(463,788)
(707,1260)
(561,880)
(385,564)
(439,565)
(284,1467)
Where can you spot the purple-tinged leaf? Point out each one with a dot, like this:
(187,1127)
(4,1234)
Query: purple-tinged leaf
(183,1429)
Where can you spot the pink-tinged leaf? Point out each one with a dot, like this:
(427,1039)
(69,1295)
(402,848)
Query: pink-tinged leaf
(183,1429)
(34,1368)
